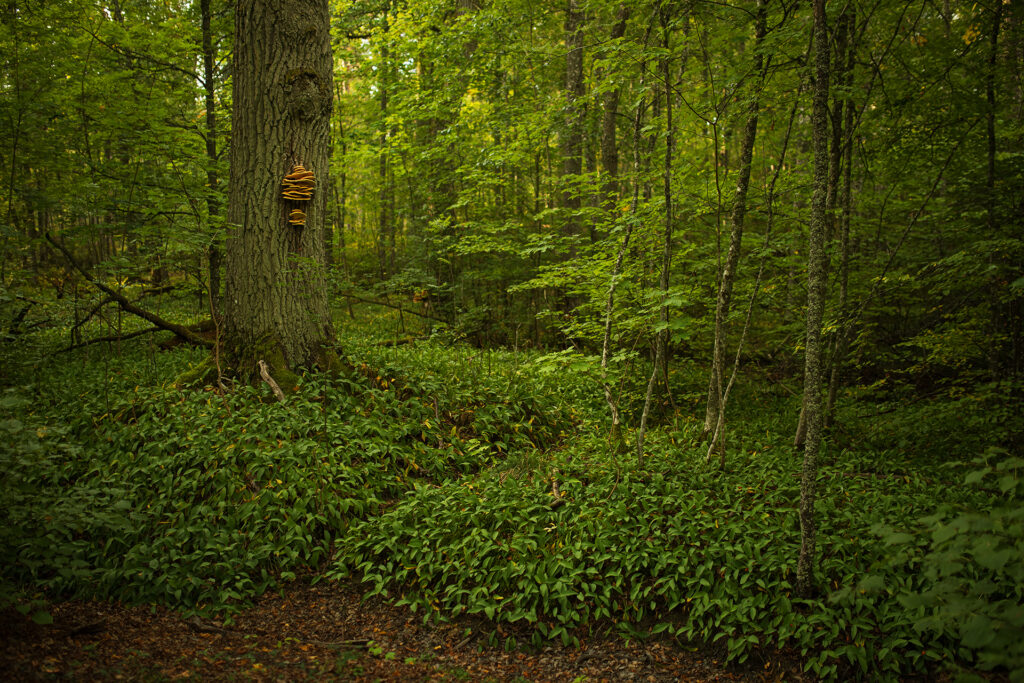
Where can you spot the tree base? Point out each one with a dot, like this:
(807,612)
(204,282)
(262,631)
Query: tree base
(243,367)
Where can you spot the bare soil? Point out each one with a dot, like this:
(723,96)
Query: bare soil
(328,632)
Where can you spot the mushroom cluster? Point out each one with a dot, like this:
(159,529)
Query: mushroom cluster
(299,184)
(297,217)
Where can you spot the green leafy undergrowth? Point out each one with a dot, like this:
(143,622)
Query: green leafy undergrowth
(676,547)
(951,424)
(145,493)
(973,564)
(497,400)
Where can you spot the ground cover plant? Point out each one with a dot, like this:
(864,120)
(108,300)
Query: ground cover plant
(456,480)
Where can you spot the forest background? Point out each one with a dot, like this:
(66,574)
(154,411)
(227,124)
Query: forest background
(558,241)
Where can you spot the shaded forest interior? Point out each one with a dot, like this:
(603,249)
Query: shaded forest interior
(691,321)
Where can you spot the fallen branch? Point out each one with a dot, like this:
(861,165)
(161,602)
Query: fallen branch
(387,304)
(155,291)
(265,374)
(87,629)
(197,625)
(402,341)
(354,642)
(112,338)
(178,330)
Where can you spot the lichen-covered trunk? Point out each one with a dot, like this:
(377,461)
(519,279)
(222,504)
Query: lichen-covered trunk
(815,306)
(275,304)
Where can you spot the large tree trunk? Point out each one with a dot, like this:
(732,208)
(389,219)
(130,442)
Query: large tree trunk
(275,297)
(815,304)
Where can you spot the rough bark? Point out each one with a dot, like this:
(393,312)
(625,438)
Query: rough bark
(712,416)
(815,304)
(275,298)
(835,156)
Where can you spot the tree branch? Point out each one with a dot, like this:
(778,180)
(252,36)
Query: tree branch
(111,338)
(375,302)
(128,306)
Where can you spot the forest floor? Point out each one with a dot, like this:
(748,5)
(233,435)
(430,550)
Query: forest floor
(323,632)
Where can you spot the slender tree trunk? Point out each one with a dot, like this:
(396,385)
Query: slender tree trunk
(609,114)
(572,142)
(739,212)
(990,95)
(770,203)
(615,436)
(846,200)
(384,234)
(661,341)
(214,256)
(275,301)
(341,207)
(815,304)
(835,155)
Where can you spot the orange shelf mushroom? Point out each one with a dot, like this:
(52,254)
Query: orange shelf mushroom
(299,184)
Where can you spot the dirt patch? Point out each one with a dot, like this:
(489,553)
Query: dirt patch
(325,632)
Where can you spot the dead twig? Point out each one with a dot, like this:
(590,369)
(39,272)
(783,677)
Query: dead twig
(555,493)
(265,374)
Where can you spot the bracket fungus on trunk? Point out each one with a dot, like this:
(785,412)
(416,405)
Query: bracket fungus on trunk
(298,186)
